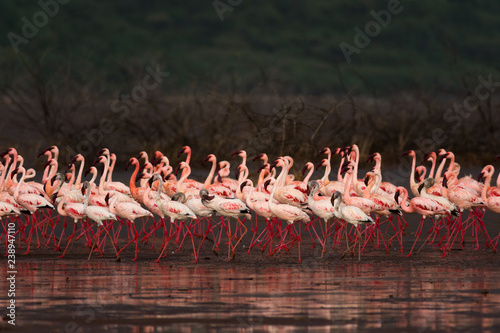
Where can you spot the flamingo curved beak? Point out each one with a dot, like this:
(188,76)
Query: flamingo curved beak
(39,154)
(129,163)
(181,151)
(258,157)
(205,160)
(406,152)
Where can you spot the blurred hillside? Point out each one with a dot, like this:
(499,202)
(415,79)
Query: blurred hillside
(293,43)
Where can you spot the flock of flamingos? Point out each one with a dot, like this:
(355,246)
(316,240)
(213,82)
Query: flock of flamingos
(360,212)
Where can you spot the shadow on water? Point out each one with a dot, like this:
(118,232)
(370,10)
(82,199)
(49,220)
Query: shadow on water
(145,297)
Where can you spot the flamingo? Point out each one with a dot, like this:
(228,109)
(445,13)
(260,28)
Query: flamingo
(413,184)
(175,211)
(353,215)
(109,184)
(97,214)
(128,211)
(74,210)
(386,187)
(229,208)
(290,214)
(190,183)
(260,207)
(321,206)
(419,205)
(216,189)
(287,194)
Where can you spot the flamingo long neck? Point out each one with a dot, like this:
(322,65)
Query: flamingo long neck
(328,169)
(271,198)
(243,175)
(158,193)
(147,170)
(45,175)
(103,176)
(72,178)
(339,173)
(134,175)
(263,173)
(87,196)
(80,172)
(21,181)
(186,171)
(283,174)
(309,174)
(487,183)
(440,170)
(93,171)
(111,168)
(60,209)
(412,175)
(404,207)
(6,170)
(188,157)
(348,184)
(53,166)
(433,167)
(55,151)
(371,183)
(210,176)
(244,159)
(356,163)
(378,163)
(452,161)
(12,165)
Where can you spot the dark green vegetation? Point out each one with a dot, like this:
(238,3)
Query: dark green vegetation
(228,79)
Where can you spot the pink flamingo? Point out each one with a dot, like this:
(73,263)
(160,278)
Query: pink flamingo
(419,205)
(97,214)
(128,211)
(229,208)
(290,214)
(353,215)
(175,211)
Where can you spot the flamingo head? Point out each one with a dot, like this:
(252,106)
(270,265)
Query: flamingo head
(54,197)
(325,150)
(185,149)
(306,167)
(266,184)
(210,158)
(481,176)
(102,151)
(204,194)
(312,187)
(41,153)
(158,154)
(396,196)
(336,196)
(321,163)
(408,152)
(180,197)
(133,161)
(243,185)
(70,166)
(260,156)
